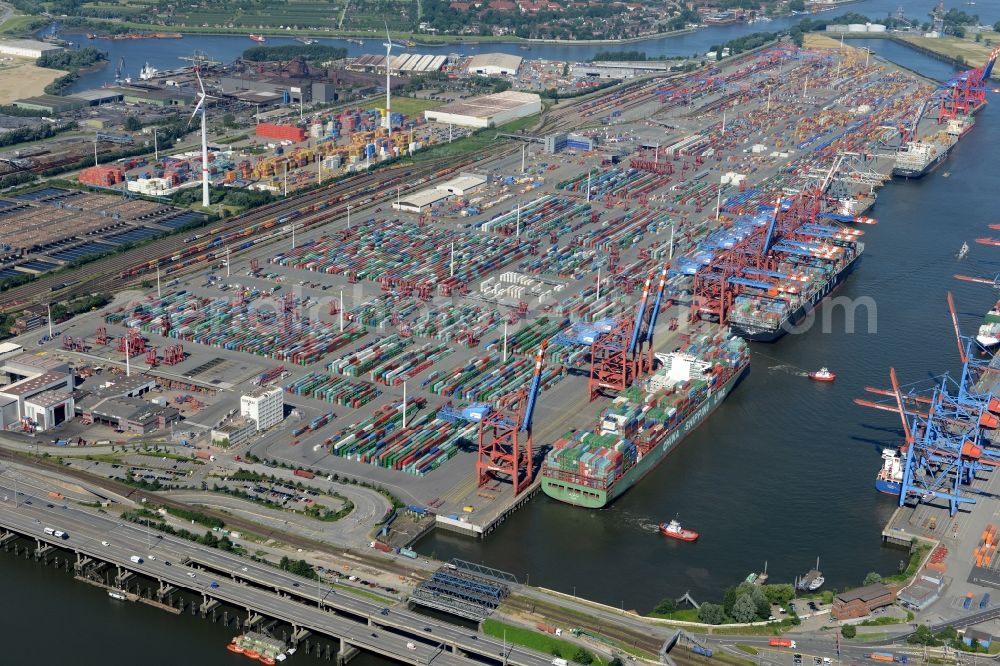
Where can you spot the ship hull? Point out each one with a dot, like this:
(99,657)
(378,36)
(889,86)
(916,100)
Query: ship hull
(595,498)
(888,487)
(913,174)
(760,334)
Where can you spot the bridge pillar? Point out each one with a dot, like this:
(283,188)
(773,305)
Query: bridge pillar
(81,562)
(42,549)
(346,652)
(299,634)
(252,619)
(6,538)
(164,589)
(207,604)
(123,576)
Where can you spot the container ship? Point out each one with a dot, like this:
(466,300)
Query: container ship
(591,469)
(989,332)
(919,158)
(766,316)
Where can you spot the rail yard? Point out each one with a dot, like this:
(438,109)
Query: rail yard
(448,330)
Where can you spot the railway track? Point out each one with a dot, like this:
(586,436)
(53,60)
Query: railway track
(320,206)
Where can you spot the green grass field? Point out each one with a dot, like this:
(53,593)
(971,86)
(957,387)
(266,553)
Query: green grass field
(469,144)
(410,106)
(533,639)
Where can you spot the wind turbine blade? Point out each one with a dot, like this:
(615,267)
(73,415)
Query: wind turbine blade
(201,85)
(197,107)
(388,38)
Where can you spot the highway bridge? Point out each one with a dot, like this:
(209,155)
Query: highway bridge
(265,592)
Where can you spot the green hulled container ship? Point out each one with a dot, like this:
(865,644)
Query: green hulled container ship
(592,468)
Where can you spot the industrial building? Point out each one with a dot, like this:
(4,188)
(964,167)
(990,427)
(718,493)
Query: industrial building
(861,601)
(265,406)
(162,97)
(922,593)
(402,64)
(465,183)
(27,48)
(494,64)
(290,90)
(555,143)
(234,432)
(99,96)
(118,403)
(487,111)
(52,104)
(36,391)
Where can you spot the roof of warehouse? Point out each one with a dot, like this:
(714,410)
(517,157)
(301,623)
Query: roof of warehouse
(96,94)
(463,181)
(504,60)
(488,105)
(424,198)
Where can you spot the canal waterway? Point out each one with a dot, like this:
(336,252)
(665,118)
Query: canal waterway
(784,470)
(165,54)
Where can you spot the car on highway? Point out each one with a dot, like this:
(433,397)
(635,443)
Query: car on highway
(191,574)
(411,646)
(214,585)
(384,611)
(105,543)
(427,629)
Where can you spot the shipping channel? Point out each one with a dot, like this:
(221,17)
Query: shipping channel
(784,470)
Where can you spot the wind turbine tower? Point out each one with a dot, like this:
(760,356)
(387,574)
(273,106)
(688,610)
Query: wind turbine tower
(387,121)
(202,106)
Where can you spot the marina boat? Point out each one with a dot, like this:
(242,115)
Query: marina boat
(260,39)
(117,594)
(989,332)
(963,251)
(822,375)
(307,40)
(889,479)
(760,578)
(812,580)
(353,40)
(674,530)
(591,469)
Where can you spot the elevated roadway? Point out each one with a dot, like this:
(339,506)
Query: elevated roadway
(305,604)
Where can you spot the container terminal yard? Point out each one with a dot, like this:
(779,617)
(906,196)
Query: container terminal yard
(435,329)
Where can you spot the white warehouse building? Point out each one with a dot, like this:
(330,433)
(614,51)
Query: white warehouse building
(27,48)
(494,64)
(487,111)
(265,406)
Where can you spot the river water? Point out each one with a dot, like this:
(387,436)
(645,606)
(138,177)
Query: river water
(783,472)
(165,53)
(787,463)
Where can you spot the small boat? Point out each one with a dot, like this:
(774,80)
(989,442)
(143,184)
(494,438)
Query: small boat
(822,375)
(308,41)
(264,659)
(91,35)
(812,581)
(353,40)
(409,43)
(116,594)
(260,39)
(674,530)
(233,647)
(963,251)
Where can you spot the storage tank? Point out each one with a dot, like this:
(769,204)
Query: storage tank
(876,27)
(857,27)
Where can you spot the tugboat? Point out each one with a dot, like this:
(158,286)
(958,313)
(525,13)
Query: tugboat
(234,646)
(116,594)
(822,375)
(260,39)
(674,530)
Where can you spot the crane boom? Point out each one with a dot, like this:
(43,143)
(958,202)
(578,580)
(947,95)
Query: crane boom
(958,331)
(536,381)
(639,315)
(656,304)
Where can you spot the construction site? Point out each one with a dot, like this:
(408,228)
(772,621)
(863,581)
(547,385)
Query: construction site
(442,350)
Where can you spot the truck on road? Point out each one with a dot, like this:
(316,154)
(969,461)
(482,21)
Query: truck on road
(888,657)
(136,559)
(782,642)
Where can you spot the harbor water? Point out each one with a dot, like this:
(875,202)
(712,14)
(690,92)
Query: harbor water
(166,54)
(783,472)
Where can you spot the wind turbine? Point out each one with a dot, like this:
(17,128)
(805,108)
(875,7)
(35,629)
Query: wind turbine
(387,121)
(202,106)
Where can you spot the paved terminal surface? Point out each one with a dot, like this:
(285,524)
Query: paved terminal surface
(783,120)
